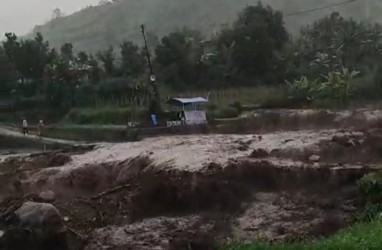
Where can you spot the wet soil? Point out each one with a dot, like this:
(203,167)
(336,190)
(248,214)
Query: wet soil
(138,205)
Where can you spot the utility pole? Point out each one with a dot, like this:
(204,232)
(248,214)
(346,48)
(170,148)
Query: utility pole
(152,75)
(147,49)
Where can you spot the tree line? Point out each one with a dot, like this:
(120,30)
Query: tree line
(254,50)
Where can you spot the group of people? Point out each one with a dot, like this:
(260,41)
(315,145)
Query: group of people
(26,129)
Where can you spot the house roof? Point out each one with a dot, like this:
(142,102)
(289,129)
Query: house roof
(187,101)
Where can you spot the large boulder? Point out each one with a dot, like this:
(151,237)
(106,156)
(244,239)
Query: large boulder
(259,153)
(58,160)
(41,216)
(34,226)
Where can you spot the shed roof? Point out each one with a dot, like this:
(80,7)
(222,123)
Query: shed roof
(187,101)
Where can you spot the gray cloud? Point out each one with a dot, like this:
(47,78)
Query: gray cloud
(20,16)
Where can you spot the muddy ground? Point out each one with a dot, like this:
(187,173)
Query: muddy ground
(194,191)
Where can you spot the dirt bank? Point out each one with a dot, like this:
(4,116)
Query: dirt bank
(162,207)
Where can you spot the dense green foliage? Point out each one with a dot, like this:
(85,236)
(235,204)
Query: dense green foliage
(371,188)
(257,38)
(334,60)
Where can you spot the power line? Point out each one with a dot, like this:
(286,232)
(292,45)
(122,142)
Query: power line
(320,8)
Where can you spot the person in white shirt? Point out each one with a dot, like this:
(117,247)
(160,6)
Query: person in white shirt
(25,127)
(40,127)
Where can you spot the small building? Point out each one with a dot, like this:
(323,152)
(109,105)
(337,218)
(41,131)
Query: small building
(191,110)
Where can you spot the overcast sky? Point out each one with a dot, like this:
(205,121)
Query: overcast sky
(20,16)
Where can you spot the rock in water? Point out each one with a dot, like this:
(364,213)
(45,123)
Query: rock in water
(47,196)
(259,153)
(314,158)
(58,160)
(37,226)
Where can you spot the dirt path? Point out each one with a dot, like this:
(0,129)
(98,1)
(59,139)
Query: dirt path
(9,131)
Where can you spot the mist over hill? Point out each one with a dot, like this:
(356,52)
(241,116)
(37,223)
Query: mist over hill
(97,27)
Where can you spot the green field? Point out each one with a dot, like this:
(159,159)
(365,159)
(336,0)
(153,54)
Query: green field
(364,236)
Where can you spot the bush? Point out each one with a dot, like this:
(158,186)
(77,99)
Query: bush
(368,87)
(370,187)
(104,116)
(280,101)
(238,106)
(225,113)
(302,90)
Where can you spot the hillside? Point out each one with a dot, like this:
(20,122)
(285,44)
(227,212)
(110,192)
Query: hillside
(97,27)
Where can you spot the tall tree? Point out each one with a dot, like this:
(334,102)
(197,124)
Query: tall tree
(67,52)
(133,61)
(6,72)
(179,55)
(57,13)
(256,40)
(11,46)
(8,52)
(42,52)
(28,56)
(33,57)
(94,70)
(107,58)
(82,58)
(53,56)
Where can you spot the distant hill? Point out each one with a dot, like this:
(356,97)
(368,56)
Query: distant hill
(97,27)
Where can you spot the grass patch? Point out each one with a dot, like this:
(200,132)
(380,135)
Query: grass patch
(109,115)
(361,236)
(224,113)
(250,96)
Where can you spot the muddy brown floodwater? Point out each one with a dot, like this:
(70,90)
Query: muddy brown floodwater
(194,191)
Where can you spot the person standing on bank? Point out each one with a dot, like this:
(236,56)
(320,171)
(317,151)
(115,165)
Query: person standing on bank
(25,127)
(40,127)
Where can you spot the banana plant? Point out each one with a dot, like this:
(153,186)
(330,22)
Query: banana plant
(302,89)
(339,84)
